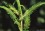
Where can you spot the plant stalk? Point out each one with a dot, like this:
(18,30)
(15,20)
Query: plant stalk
(21,29)
(20,12)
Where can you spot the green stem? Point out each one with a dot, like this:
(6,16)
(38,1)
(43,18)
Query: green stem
(30,10)
(20,12)
(21,29)
(11,7)
(24,7)
(19,7)
(12,15)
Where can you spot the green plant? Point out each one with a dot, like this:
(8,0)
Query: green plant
(41,19)
(12,11)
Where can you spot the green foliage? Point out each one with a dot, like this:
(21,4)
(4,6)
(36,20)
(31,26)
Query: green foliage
(41,20)
(11,10)
(42,12)
(27,23)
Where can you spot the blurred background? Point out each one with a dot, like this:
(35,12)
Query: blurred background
(37,17)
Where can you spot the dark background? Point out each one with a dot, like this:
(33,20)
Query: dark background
(7,23)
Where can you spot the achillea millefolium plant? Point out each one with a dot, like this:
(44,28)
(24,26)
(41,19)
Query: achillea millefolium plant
(12,11)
